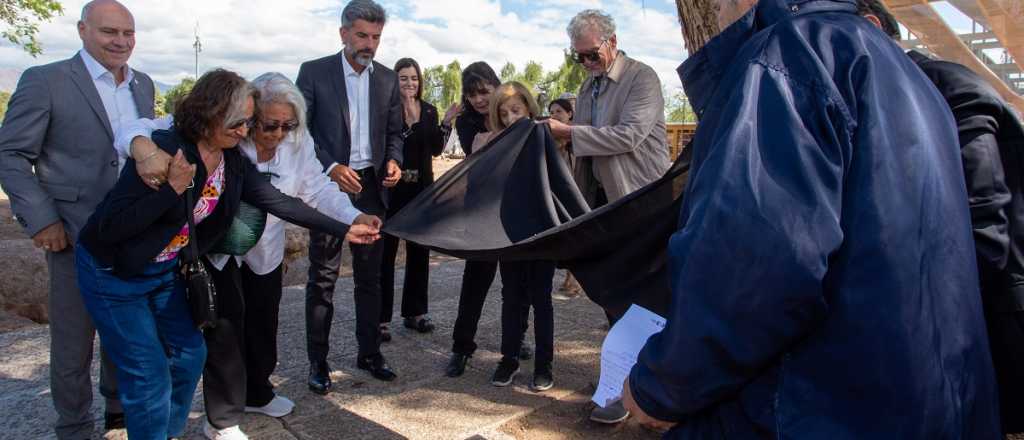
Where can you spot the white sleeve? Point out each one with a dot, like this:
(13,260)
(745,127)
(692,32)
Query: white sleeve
(318,190)
(139,127)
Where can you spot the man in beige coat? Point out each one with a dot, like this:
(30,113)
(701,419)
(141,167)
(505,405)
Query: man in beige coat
(618,132)
(619,126)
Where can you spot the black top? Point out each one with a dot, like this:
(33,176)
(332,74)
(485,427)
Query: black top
(469,124)
(423,141)
(134,223)
(988,129)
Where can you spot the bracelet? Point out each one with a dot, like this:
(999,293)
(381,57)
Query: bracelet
(150,155)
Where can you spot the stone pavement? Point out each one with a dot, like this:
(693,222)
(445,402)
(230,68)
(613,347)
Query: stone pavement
(421,404)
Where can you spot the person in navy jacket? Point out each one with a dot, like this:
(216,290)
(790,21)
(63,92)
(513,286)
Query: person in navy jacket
(823,274)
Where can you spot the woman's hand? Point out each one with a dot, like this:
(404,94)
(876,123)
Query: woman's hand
(368,220)
(454,111)
(363,234)
(150,161)
(180,174)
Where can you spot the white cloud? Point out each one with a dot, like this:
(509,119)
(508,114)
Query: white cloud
(255,36)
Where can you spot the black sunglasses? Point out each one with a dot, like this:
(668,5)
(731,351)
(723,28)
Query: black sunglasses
(249,124)
(268,127)
(583,57)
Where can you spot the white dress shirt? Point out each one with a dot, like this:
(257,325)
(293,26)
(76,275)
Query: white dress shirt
(295,171)
(357,87)
(117,98)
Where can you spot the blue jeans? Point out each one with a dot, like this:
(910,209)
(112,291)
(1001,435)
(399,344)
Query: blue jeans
(146,329)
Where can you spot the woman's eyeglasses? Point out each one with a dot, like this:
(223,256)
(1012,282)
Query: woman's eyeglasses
(248,123)
(583,57)
(269,127)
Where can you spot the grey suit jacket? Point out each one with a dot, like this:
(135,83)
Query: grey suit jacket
(56,123)
(322,83)
(626,144)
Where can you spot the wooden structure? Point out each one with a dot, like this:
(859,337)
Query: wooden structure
(678,135)
(1001,24)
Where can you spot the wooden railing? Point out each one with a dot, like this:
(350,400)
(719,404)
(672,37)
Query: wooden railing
(677,137)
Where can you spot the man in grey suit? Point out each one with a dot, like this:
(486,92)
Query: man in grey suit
(355,118)
(57,162)
(618,132)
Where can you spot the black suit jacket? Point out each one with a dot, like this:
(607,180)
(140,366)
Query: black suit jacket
(322,83)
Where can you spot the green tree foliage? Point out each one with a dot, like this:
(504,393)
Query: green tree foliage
(677,108)
(442,85)
(433,85)
(508,73)
(159,102)
(451,86)
(176,93)
(21,21)
(568,78)
(4,98)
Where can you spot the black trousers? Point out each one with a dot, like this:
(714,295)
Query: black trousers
(417,263)
(242,349)
(417,278)
(477,278)
(324,262)
(526,284)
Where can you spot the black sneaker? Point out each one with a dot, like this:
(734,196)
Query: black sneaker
(542,379)
(506,372)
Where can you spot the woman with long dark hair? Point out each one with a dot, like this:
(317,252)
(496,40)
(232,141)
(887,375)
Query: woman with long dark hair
(478,84)
(423,141)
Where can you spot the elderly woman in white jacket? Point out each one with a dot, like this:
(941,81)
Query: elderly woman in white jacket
(243,346)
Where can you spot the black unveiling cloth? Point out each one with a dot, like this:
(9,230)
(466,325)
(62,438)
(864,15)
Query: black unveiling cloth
(516,199)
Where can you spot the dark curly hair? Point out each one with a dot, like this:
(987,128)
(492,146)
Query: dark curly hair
(217,100)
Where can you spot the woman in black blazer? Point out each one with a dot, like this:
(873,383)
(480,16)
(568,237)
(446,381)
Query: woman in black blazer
(129,251)
(423,141)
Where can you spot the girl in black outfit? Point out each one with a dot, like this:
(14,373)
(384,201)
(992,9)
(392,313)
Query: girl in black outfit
(478,83)
(423,141)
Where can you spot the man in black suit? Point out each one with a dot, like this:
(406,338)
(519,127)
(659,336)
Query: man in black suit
(355,118)
(992,149)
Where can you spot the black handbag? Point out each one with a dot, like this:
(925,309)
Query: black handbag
(199,288)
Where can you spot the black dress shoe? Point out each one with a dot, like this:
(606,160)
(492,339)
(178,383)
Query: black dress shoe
(456,365)
(422,325)
(377,367)
(113,421)
(319,378)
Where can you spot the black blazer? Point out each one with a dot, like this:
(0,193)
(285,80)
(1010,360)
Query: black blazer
(322,83)
(134,223)
(423,141)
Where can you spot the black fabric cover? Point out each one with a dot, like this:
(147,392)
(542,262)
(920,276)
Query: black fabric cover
(516,199)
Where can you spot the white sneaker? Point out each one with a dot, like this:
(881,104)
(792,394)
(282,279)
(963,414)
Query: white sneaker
(279,406)
(231,433)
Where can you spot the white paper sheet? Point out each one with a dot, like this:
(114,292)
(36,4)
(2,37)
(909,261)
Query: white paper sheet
(620,349)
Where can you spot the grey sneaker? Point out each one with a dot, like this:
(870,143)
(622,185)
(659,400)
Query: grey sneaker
(610,415)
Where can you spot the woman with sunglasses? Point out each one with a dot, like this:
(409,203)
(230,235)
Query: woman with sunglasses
(128,258)
(243,346)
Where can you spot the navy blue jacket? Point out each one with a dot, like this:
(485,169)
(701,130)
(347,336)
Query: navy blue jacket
(824,280)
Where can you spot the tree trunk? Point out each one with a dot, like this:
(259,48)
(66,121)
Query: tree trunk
(699,21)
